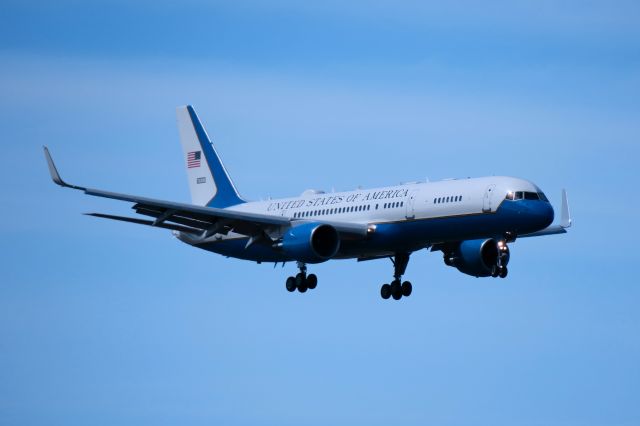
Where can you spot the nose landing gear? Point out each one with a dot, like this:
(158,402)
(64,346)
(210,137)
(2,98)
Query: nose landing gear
(500,269)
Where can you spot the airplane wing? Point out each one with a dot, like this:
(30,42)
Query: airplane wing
(198,220)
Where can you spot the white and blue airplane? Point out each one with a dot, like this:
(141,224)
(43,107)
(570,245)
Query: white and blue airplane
(471,221)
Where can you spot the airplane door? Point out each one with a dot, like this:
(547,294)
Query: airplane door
(487,203)
(410,204)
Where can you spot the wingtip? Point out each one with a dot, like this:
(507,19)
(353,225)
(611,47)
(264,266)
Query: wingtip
(53,171)
(565,221)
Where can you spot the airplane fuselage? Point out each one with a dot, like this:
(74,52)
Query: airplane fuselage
(405,217)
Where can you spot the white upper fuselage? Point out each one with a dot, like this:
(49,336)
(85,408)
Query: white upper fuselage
(410,201)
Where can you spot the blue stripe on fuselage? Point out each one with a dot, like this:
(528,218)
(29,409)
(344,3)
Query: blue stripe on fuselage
(520,217)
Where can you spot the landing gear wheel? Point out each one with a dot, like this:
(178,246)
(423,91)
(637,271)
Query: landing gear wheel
(291,284)
(396,290)
(312,281)
(302,288)
(300,279)
(503,272)
(406,288)
(495,272)
(385,291)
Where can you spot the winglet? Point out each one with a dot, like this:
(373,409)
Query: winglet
(55,176)
(565,217)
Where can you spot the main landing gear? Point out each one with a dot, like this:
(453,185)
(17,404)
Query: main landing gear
(302,282)
(397,289)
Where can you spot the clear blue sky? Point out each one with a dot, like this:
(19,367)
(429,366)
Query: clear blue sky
(107,323)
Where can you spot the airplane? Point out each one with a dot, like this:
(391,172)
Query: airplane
(470,221)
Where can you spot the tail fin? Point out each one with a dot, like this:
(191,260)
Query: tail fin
(209,182)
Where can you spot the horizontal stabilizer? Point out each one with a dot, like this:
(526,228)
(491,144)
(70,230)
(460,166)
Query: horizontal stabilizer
(171,226)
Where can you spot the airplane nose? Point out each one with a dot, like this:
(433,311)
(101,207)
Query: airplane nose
(544,213)
(538,214)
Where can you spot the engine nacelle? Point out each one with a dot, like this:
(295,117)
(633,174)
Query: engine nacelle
(479,258)
(311,242)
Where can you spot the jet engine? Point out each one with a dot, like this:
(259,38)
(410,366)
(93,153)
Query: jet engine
(311,242)
(480,258)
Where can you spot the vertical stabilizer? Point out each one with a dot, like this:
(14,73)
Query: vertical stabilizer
(209,182)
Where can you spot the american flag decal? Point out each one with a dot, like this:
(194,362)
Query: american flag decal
(193,159)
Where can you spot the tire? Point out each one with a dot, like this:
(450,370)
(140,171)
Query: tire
(302,288)
(396,290)
(385,291)
(300,279)
(495,272)
(291,284)
(407,288)
(503,272)
(312,281)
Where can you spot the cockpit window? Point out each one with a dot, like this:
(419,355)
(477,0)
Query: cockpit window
(531,196)
(526,195)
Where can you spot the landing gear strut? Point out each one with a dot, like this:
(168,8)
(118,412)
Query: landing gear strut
(397,289)
(302,282)
(500,269)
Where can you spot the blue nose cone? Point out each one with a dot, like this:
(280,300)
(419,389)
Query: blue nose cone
(541,214)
